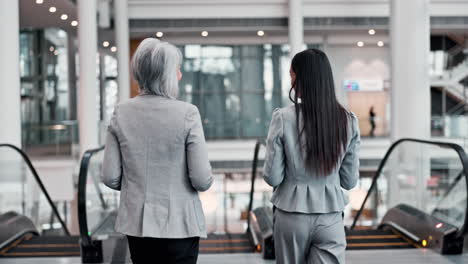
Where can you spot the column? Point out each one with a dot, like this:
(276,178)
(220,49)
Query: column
(123,48)
(410,88)
(71,53)
(410,100)
(296,27)
(10,107)
(87,94)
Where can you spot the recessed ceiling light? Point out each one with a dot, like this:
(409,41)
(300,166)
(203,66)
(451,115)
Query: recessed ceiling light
(105,44)
(159,34)
(261,33)
(380,44)
(371,31)
(64,17)
(204,33)
(360,44)
(113,49)
(52,9)
(74,23)
(39,2)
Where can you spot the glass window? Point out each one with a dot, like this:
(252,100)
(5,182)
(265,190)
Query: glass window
(235,87)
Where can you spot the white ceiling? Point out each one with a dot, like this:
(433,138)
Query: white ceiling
(34,15)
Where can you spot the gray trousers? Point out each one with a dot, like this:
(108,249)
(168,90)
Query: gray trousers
(309,238)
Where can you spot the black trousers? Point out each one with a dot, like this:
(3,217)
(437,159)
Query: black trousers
(163,250)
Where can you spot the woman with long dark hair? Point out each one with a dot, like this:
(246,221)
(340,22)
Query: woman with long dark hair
(312,153)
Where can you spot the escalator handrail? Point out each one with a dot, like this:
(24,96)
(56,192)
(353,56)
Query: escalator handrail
(82,179)
(40,183)
(258,144)
(457,148)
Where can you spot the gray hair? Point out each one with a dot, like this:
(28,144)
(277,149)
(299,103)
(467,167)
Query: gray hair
(154,67)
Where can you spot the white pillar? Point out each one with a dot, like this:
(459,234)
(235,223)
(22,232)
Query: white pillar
(411,101)
(10,104)
(87,94)
(123,48)
(296,27)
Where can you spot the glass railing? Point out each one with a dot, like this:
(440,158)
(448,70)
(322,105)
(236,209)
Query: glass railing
(429,176)
(453,126)
(23,192)
(226,203)
(51,132)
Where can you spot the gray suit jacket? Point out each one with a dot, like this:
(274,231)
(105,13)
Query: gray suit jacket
(298,189)
(156,155)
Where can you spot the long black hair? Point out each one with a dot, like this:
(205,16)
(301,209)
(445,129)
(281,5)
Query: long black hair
(322,122)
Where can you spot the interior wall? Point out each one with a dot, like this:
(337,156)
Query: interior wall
(134,90)
(366,63)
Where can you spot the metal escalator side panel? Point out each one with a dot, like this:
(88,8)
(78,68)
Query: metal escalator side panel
(14,226)
(262,230)
(424,229)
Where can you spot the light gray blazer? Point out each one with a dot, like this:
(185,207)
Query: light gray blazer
(298,189)
(156,155)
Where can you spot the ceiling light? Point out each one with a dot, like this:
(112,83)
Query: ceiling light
(52,9)
(159,34)
(113,49)
(39,2)
(380,43)
(51,49)
(105,44)
(74,23)
(64,17)
(204,33)
(360,44)
(371,31)
(260,33)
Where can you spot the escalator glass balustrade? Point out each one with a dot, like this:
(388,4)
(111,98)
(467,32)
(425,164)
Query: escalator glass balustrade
(34,222)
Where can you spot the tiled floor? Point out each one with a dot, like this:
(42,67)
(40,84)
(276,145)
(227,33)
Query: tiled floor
(352,257)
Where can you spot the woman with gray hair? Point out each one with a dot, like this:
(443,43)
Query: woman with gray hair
(157,157)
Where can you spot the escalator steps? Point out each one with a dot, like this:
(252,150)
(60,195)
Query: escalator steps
(45,246)
(375,239)
(62,246)
(226,243)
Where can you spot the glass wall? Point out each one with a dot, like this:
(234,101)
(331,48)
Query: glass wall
(45,88)
(49,94)
(236,88)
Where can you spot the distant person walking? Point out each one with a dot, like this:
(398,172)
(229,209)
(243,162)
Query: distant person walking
(157,157)
(312,152)
(372,121)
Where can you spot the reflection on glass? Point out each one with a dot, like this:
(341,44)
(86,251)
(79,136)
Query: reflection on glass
(236,88)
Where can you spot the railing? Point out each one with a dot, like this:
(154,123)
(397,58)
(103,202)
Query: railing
(253,177)
(40,183)
(82,182)
(444,145)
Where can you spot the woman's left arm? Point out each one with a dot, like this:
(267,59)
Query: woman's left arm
(112,164)
(273,170)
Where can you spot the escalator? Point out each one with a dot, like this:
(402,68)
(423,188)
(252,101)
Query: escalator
(97,212)
(30,223)
(437,223)
(430,210)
